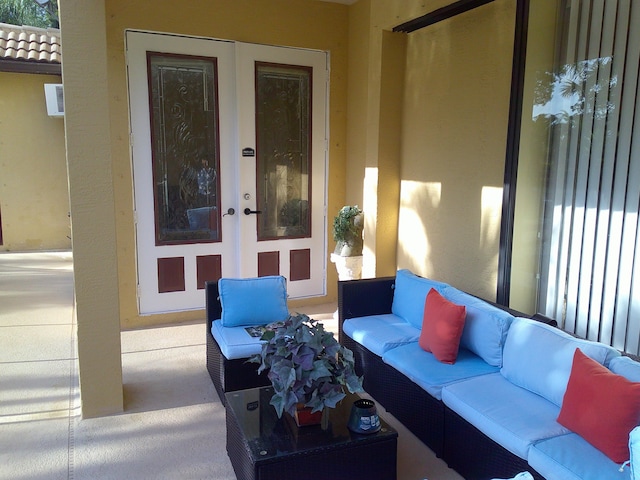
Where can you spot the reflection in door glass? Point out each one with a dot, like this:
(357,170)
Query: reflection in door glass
(283,112)
(184,132)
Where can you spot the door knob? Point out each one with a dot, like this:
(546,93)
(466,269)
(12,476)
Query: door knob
(248,211)
(231,211)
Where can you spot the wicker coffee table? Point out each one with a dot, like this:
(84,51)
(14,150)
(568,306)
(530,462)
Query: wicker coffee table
(263,447)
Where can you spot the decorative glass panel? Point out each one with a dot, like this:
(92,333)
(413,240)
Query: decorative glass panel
(184,132)
(283,123)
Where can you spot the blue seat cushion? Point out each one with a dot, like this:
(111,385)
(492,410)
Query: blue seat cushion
(571,457)
(379,333)
(511,416)
(235,342)
(253,301)
(425,370)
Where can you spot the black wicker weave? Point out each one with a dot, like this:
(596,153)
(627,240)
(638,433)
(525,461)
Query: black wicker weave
(475,456)
(227,375)
(461,445)
(263,447)
(421,413)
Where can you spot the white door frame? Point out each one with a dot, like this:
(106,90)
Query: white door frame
(237,131)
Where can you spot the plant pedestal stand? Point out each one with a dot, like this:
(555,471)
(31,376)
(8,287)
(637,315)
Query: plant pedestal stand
(349,268)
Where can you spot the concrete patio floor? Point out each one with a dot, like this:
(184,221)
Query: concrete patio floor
(173,424)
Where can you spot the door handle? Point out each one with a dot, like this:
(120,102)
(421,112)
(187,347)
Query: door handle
(231,211)
(248,211)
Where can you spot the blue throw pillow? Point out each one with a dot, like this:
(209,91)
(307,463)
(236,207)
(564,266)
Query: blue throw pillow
(253,301)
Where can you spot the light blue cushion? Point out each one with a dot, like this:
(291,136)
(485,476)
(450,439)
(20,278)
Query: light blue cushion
(571,457)
(425,370)
(253,301)
(459,297)
(634,450)
(539,357)
(379,333)
(409,296)
(235,342)
(485,326)
(625,366)
(511,416)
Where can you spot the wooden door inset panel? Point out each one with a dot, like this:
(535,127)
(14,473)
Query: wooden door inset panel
(171,275)
(268,263)
(208,268)
(300,264)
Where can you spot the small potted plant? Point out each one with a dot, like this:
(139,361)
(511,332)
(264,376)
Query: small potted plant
(347,233)
(306,365)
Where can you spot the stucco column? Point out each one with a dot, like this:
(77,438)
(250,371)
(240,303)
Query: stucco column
(91,198)
(377,61)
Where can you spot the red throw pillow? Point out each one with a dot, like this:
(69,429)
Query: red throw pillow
(600,406)
(442,325)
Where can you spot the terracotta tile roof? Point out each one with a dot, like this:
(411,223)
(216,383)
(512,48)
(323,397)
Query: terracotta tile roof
(30,44)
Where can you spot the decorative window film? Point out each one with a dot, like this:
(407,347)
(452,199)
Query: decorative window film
(283,163)
(185,148)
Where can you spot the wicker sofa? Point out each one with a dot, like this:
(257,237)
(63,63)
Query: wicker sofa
(493,412)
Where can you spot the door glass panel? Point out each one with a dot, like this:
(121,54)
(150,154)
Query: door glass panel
(185,148)
(283,110)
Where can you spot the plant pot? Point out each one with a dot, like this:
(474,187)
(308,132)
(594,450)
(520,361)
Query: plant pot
(304,417)
(349,268)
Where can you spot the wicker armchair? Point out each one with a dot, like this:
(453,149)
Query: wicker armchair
(227,375)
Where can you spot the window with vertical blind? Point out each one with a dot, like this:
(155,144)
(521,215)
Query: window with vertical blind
(576,241)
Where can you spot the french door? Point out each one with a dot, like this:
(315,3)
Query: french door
(228,144)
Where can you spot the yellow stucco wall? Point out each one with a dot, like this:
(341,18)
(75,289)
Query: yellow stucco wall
(298,23)
(455,106)
(34,199)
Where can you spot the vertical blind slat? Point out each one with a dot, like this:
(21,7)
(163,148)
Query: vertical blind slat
(627,188)
(598,61)
(607,227)
(575,200)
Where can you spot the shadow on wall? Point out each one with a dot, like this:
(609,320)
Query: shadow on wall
(435,243)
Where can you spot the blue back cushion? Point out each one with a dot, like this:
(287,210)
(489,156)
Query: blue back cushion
(627,367)
(539,357)
(634,450)
(409,296)
(253,301)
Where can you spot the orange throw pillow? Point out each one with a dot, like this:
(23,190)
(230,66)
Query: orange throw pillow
(442,325)
(600,406)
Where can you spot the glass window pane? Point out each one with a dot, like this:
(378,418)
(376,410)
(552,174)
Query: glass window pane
(575,227)
(283,112)
(184,131)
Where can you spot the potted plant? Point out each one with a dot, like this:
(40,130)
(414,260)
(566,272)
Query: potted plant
(306,365)
(347,233)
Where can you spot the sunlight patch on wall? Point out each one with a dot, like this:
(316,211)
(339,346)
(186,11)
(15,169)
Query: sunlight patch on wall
(417,201)
(370,209)
(491,215)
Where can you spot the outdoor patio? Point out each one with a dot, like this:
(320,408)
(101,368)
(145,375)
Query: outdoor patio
(173,424)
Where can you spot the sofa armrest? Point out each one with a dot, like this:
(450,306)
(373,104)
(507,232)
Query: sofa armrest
(212,303)
(360,298)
